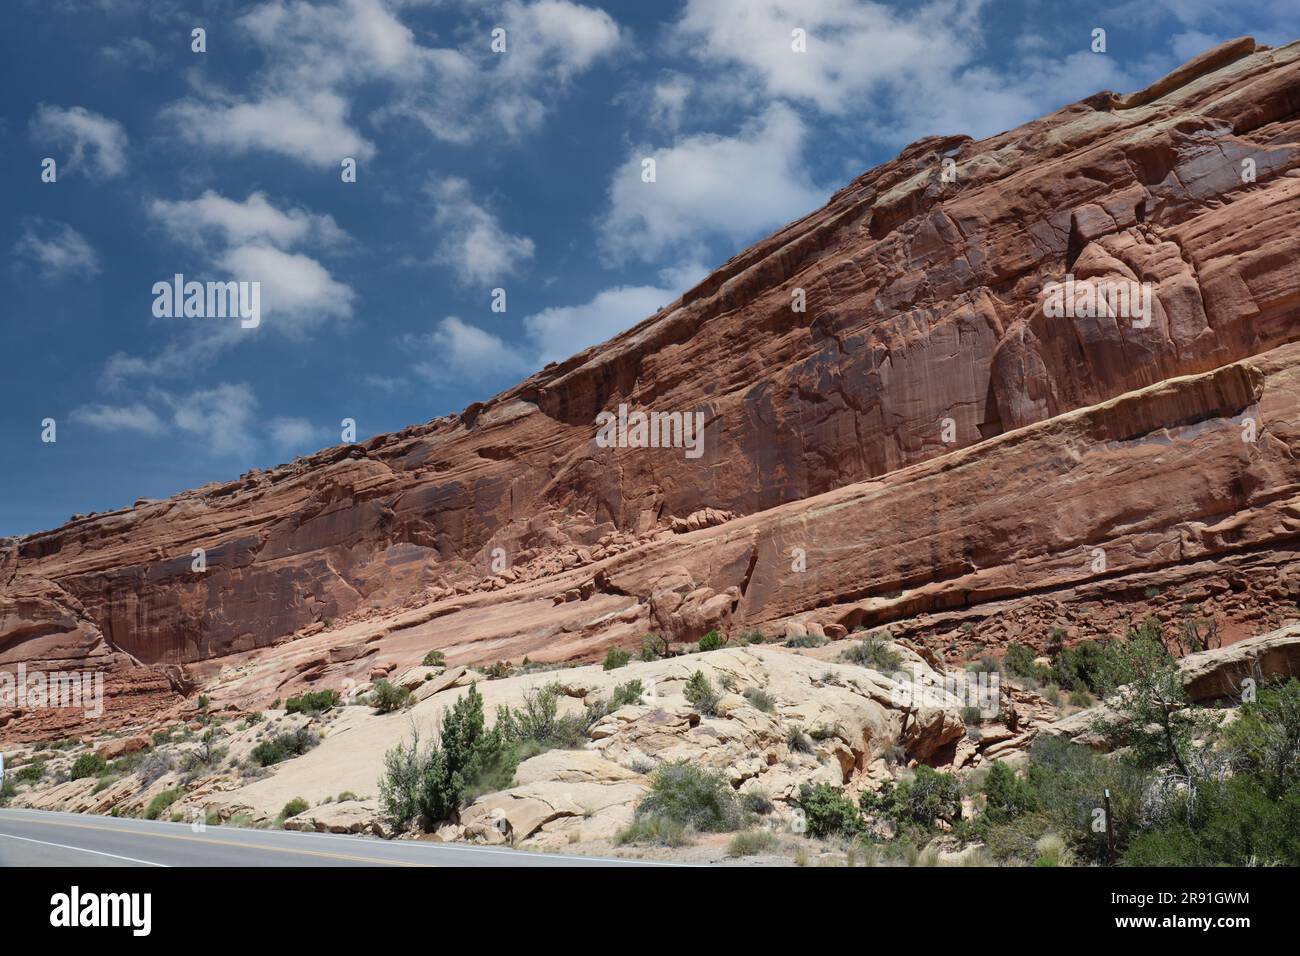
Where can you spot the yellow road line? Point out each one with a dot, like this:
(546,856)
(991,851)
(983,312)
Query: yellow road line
(250,846)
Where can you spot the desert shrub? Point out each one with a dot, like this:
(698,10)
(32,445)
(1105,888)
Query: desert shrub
(919,803)
(712,641)
(760,700)
(757,801)
(654,830)
(827,811)
(624,694)
(701,694)
(1079,667)
(312,702)
(387,697)
(693,797)
(88,765)
(430,783)
(161,802)
(284,746)
(752,843)
(154,765)
(1006,795)
(1019,661)
(804,640)
(798,740)
(616,657)
(434,659)
(30,773)
(873,652)
(752,637)
(294,807)
(499,670)
(653,647)
(972,716)
(1264,740)
(538,721)
(204,702)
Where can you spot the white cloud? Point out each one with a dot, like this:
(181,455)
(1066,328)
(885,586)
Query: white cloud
(473,243)
(221,418)
(213,216)
(297,291)
(901,72)
(254,241)
(296,435)
(458,351)
(318,54)
(136,418)
(56,249)
(96,141)
(311,127)
(557,333)
(708,186)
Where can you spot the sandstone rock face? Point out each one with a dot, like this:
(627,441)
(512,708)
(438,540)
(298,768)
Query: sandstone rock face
(923,448)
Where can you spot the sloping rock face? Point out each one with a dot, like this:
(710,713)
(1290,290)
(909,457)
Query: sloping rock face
(922,445)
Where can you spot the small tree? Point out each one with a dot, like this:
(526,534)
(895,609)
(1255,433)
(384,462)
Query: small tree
(1264,740)
(701,694)
(1149,710)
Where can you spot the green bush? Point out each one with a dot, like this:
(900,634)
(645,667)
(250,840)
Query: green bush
(312,702)
(693,797)
(1019,661)
(654,830)
(919,803)
(752,843)
(827,811)
(701,694)
(161,802)
(712,641)
(88,764)
(1079,667)
(429,784)
(1006,795)
(873,652)
(760,700)
(294,807)
(30,773)
(434,659)
(284,746)
(616,657)
(653,647)
(387,697)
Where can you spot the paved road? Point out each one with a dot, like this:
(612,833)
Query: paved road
(44,838)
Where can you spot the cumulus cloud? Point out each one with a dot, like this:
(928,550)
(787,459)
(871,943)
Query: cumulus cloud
(55,249)
(294,436)
(212,216)
(254,240)
(457,351)
(473,243)
(710,186)
(97,143)
(318,54)
(133,418)
(222,418)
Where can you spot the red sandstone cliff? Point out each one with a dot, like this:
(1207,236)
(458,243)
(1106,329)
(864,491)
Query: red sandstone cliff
(825,432)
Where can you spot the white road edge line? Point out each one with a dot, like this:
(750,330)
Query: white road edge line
(81,849)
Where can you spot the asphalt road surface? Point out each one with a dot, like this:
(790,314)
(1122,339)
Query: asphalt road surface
(44,838)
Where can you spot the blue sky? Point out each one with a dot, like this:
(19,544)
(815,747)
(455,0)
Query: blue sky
(476,170)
